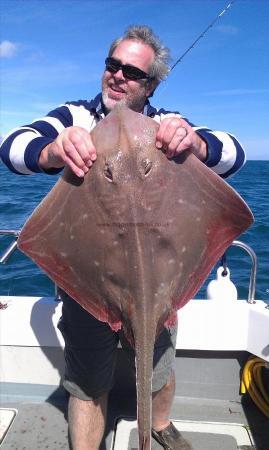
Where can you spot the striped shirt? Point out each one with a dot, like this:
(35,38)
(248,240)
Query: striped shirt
(21,148)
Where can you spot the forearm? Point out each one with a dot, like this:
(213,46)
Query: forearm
(21,149)
(219,150)
(225,153)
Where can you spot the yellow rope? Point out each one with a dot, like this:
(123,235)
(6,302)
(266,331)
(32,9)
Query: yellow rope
(252,382)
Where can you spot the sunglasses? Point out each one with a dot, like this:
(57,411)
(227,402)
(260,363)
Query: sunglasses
(130,72)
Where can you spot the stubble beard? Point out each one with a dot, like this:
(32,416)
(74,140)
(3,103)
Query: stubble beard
(136,104)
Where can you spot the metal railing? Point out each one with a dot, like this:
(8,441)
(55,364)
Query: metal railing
(253,274)
(12,247)
(252,279)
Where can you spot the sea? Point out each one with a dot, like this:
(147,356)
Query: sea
(19,195)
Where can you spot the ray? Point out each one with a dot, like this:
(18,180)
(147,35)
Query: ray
(135,239)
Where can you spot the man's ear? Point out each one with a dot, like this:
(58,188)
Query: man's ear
(152,85)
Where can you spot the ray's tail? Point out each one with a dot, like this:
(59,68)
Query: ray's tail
(144,347)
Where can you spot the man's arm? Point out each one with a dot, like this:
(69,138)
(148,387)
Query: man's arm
(51,142)
(219,150)
(176,135)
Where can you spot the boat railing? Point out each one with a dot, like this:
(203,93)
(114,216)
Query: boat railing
(253,274)
(12,247)
(252,279)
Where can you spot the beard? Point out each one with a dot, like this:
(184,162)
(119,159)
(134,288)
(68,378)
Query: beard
(134,101)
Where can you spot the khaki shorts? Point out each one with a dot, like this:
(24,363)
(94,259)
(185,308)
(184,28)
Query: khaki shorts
(90,353)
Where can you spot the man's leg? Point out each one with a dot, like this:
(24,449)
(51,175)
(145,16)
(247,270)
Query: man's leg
(90,355)
(86,419)
(163,386)
(163,429)
(162,403)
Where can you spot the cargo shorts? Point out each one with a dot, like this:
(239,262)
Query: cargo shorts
(90,352)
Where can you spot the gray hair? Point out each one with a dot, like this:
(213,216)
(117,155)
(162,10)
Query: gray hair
(159,68)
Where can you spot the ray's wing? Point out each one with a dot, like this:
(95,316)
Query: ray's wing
(181,217)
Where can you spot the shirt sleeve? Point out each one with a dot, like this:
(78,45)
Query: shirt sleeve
(21,148)
(225,153)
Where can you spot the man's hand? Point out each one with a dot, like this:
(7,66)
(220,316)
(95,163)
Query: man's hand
(73,147)
(175,135)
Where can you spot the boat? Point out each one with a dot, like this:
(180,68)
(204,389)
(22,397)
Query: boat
(222,378)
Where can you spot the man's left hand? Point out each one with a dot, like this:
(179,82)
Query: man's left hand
(175,135)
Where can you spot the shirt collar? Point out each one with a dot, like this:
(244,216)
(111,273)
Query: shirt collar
(96,106)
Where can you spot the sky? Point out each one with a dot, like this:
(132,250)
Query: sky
(54,51)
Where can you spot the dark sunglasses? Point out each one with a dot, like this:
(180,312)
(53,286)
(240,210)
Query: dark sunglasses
(130,72)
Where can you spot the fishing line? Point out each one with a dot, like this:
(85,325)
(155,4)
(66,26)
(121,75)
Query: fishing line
(202,35)
(193,44)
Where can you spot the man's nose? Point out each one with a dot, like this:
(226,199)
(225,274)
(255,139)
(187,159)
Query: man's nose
(119,75)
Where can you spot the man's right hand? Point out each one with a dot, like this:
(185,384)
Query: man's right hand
(73,147)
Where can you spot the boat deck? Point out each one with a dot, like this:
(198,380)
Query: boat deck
(208,425)
(211,415)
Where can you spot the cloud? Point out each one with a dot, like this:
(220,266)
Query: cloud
(238,91)
(8,49)
(227,29)
(36,75)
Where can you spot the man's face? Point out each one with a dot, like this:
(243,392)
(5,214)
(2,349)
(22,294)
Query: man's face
(116,88)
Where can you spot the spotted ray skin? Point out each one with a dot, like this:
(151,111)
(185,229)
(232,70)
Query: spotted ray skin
(135,239)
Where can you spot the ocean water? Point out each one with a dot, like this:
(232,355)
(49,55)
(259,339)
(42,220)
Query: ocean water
(19,195)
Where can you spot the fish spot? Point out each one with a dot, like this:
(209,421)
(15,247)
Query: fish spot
(183,250)
(203,202)
(62,224)
(115,242)
(63,254)
(85,216)
(198,219)
(103,278)
(171,261)
(102,231)
(181,264)
(96,263)
(180,200)
(72,237)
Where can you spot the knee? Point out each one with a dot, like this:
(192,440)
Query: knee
(168,387)
(170,384)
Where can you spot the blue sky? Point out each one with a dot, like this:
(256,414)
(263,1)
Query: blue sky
(53,51)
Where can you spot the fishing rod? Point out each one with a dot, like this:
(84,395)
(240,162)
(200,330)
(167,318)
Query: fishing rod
(202,34)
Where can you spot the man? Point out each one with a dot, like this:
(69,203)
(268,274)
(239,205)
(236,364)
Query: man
(136,64)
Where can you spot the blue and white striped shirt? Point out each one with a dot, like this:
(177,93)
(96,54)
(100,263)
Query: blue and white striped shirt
(21,148)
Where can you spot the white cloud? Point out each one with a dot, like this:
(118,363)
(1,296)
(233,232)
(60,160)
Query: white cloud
(238,91)
(227,29)
(8,49)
